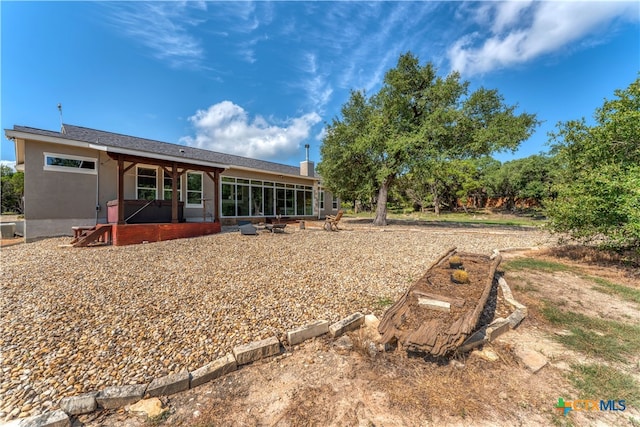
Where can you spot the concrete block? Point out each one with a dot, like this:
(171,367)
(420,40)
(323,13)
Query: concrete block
(169,384)
(120,396)
(256,350)
(347,324)
(296,336)
(50,419)
(533,360)
(213,370)
(82,404)
(497,328)
(7,230)
(516,317)
(434,304)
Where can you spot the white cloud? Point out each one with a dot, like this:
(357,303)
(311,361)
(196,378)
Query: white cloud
(226,127)
(10,163)
(315,83)
(162,27)
(548,27)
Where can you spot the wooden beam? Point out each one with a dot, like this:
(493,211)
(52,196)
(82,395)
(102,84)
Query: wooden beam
(121,172)
(160,162)
(174,193)
(216,200)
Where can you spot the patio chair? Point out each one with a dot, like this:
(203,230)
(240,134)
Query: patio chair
(331,221)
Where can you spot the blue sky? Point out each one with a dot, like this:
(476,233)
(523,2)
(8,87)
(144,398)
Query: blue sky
(261,79)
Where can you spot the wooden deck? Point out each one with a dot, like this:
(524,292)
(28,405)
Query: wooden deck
(132,234)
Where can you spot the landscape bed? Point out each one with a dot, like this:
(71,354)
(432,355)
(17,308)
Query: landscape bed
(77,320)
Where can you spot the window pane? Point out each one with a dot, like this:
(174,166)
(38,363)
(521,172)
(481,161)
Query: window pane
(194,198)
(146,183)
(194,181)
(268,202)
(228,199)
(290,201)
(146,194)
(243,200)
(299,202)
(242,181)
(280,209)
(308,203)
(256,201)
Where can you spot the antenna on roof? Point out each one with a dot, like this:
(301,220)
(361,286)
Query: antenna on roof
(306,147)
(61,122)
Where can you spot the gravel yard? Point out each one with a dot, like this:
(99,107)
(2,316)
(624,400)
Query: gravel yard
(77,320)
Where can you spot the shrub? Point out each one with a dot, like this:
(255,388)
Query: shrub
(455,262)
(460,276)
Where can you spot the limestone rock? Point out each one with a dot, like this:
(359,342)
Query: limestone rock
(152,408)
(533,360)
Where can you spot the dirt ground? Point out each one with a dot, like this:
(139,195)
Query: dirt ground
(326,382)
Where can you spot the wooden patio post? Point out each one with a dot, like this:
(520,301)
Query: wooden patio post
(120,190)
(216,200)
(174,193)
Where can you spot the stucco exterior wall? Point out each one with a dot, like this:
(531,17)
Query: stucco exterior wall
(52,198)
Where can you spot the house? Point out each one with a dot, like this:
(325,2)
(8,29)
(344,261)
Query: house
(88,177)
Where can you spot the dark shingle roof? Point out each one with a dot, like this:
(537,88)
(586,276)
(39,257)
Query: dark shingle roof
(114,140)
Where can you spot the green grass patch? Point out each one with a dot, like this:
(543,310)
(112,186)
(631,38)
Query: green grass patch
(624,292)
(607,339)
(384,302)
(596,381)
(457,217)
(520,264)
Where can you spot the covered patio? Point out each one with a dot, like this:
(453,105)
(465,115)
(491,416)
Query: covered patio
(134,221)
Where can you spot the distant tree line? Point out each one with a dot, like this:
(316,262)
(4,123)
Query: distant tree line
(12,190)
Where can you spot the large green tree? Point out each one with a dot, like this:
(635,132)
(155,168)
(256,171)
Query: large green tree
(599,191)
(416,119)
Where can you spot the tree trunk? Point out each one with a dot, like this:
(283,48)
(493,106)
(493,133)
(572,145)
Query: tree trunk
(381,206)
(436,198)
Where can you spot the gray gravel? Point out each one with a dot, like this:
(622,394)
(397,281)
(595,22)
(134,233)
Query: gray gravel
(78,320)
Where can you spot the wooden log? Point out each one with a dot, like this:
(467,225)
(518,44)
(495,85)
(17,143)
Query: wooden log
(434,304)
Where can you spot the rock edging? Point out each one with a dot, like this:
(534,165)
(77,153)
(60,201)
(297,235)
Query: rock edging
(500,325)
(120,396)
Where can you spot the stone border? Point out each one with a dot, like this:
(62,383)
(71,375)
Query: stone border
(116,397)
(500,325)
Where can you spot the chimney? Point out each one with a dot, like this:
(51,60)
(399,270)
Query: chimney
(306,167)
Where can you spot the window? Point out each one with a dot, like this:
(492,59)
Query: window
(244,197)
(146,183)
(167,186)
(194,189)
(69,163)
(321,200)
(334,203)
